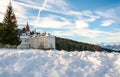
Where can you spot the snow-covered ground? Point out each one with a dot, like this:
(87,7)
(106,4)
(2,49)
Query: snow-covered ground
(53,63)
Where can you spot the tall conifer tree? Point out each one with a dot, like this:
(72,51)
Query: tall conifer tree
(10,33)
(0,32)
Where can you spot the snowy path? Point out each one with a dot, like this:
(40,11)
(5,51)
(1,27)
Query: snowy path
(39,63)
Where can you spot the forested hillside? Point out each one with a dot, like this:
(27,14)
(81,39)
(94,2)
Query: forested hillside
(70,45)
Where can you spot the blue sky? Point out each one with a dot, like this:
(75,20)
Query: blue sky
(91,21)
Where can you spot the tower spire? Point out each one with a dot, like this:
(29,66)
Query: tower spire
(27,29)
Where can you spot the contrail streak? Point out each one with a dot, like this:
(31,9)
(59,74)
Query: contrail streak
(40,10)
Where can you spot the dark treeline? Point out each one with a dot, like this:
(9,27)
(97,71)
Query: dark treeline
(70,45)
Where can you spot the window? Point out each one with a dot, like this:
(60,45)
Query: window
(27,40)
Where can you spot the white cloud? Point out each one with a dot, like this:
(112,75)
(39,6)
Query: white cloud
(80,24)
(89,33)
(92,18)
(61,7)
(110,14)
(61,33)
(51,6)
(73,13)
(32,2)
(77,23)
(104,14)
(57,5)
(20,11)
(107,23)
(81,28)
(89,16)
(3,5)
(26,5)
(49,22)
(114,38)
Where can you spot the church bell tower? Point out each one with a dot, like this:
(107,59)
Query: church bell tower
(27,29)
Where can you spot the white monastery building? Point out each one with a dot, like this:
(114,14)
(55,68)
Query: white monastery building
(36,40)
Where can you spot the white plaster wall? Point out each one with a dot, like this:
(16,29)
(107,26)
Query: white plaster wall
(41,42)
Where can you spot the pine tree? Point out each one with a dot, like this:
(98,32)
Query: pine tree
(0,24)
(0,32)
(10,33)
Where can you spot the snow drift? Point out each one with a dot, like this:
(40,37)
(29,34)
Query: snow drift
(53,63)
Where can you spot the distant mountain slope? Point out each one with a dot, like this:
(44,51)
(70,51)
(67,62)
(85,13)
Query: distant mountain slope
(70,45)
(113,46)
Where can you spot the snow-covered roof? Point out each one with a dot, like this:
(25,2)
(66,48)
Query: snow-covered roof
(42,35)
(25,43)
(34,35)
(25,36)
(48,34)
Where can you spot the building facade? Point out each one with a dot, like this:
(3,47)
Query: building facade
(36,40)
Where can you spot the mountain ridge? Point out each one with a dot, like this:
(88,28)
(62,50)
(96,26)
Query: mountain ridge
(72,45)
(113,46)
